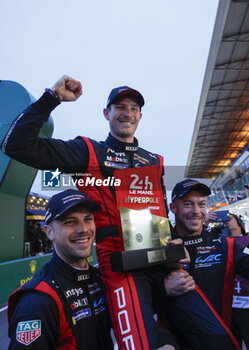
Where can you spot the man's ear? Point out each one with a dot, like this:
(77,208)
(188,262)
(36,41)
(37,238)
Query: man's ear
(49,232)
(106,113)
(173,207)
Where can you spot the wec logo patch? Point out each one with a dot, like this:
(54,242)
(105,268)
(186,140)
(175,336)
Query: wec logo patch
(28,331)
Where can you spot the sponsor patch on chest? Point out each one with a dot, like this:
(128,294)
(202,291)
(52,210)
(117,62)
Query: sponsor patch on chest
(81,314)
(116,165)
(94,288)
(99,305)
(193,241)
(73,292)
(141,159)
(116,159)
(207,249)
(207,261)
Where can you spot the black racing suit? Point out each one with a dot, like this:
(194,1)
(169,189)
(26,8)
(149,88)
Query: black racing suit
(214,261)
(240,309)
(60,308)
(129,295)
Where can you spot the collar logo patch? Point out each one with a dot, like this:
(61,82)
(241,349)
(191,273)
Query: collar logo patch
(28,331)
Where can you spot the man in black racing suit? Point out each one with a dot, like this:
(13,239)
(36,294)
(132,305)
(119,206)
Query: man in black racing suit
(63,306)
(214,258)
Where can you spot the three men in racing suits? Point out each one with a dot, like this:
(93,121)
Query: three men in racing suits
(129,295)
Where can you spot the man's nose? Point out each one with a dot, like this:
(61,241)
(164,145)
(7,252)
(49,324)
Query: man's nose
(196,209)
(128,111)
(83,226)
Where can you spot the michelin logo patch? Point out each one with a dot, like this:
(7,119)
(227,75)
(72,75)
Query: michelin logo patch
(116,165)
(81,314)
(28,331)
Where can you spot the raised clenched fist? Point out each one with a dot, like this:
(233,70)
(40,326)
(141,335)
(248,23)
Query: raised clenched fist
(67,88)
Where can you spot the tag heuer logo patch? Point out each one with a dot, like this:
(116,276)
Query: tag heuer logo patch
(28,331)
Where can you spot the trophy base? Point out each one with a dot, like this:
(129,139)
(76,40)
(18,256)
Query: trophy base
(142,258)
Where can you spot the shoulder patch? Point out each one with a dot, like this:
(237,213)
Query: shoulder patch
(28,331)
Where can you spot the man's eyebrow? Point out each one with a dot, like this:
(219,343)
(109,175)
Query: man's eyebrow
(90,214)
(72,216)
(66,217)
(132,104)
(202,201)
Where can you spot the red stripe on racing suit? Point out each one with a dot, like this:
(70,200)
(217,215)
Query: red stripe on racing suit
(229,281)
(223,323)
(121,291)
(66,341)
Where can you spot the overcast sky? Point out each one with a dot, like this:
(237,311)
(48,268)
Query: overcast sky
(159,47)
